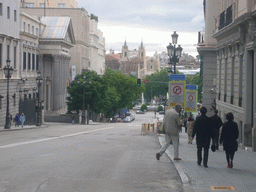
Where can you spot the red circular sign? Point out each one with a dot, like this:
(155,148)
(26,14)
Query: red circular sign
(146,81)
(190,97)
(176,90)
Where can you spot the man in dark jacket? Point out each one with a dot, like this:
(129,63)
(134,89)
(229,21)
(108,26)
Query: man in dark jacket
(204,132)
(216,124)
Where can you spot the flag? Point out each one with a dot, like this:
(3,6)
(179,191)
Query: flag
(48,2)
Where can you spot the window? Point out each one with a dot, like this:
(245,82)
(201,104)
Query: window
(14,99)
(15,57)
(37,31)
(29,61)
(41,5)
(24,60)
(8,52)
(28,28)
(24,26)
(8,12)
(33,61)
(29,5)
(1,9)
(37,62)
(61,5)
(33,30)
(15,15)
(0,55)
(1,97)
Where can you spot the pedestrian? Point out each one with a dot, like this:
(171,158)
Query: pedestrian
(17,120)
(73,119)
(216,123)
(204,132)
(171,126)
(229,136)
(185,124)
(22,119)
(190,125)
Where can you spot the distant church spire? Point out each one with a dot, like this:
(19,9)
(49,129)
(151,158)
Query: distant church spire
(125,45)
(141,43)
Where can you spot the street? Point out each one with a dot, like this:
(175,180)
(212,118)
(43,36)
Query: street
(99,157)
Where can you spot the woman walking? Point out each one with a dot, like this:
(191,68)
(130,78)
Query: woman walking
(190,125)
(229,136)
(22,119)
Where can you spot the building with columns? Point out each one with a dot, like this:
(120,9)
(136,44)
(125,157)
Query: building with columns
(234,30)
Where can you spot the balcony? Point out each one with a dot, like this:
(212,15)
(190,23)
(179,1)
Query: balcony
(225,18)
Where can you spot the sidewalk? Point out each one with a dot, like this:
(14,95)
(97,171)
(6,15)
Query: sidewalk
(13,128)
(198,178)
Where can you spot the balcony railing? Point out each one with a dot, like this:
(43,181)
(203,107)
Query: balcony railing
(225,18)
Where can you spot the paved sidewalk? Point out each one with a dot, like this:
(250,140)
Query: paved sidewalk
(13,128)
(200,179)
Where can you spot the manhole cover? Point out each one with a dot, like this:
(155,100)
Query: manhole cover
(222,188)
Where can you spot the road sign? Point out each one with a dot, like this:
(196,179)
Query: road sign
(191,87)
(146,81)
(176,93)
(190,100)
(177,77)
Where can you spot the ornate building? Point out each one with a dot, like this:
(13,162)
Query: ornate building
(136,63)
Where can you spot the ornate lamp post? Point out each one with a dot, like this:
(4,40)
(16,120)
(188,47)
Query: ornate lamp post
(83,112)
(8,71)
(174,52)
(39,80)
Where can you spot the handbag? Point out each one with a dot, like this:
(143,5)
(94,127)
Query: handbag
(213,147)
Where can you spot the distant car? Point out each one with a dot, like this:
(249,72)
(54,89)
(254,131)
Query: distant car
(119,120)
(127,119)
(161,112)
(140,112)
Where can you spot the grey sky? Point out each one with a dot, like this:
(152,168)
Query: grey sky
(154,21)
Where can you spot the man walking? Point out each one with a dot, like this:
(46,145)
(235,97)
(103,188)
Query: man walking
(216,123)
(171,126)
(204,132)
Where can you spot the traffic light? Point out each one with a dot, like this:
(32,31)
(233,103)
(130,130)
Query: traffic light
(138,82)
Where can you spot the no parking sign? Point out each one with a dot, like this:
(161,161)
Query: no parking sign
(190,100)
(176,92)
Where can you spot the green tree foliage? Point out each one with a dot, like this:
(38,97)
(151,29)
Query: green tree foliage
(94,17)
(156,88)
(105,94)
(144,106)
(160,108)
(196,80)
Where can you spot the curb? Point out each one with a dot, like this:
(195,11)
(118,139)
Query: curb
(184,178)
(18,129)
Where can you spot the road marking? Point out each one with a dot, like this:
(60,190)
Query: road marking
(223,188)
(48,139)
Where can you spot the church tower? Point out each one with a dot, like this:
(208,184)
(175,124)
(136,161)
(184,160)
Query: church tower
(125,51)
(141,52)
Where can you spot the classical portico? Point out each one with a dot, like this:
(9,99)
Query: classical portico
(55,45)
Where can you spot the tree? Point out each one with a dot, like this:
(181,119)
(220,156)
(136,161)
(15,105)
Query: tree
(157,88)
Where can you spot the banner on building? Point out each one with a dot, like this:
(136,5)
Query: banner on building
(176,92)
(73,72)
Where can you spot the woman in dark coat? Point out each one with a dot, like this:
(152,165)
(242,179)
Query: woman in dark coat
(204,132)
(229,136)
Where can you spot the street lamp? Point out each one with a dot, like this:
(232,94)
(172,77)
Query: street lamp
(83,112)
(39,80)
(174,52)
(8,71)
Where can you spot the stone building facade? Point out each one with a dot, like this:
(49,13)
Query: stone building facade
(234,31)
(208,57)
(9,49)
(136,63)
(49,3)
(80,19)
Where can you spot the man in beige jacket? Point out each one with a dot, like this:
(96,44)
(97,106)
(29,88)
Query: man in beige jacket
(171,126)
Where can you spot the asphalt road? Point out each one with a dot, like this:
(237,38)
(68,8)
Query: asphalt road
(104,157)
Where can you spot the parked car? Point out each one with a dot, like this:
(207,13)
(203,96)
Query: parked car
(161,112)
(140,112)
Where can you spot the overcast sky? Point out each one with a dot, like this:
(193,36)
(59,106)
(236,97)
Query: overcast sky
(150,20)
